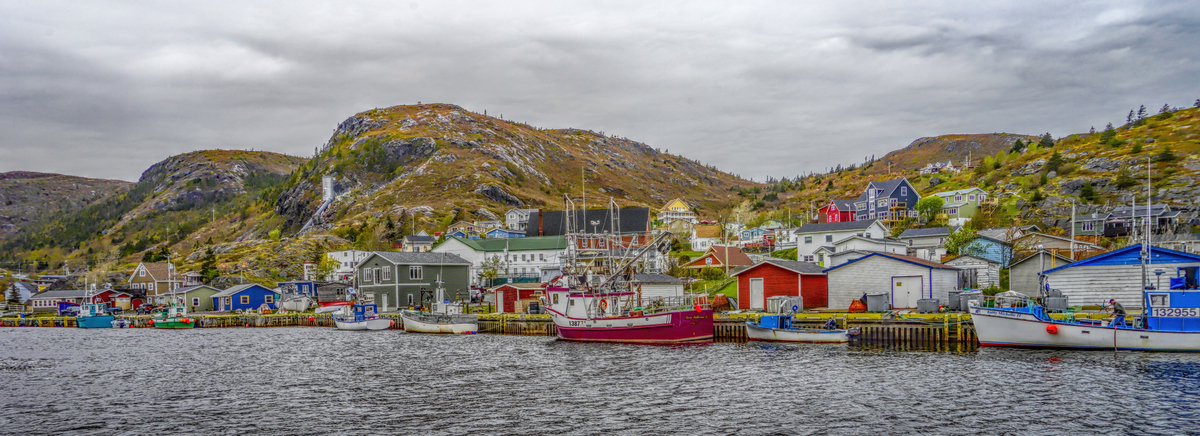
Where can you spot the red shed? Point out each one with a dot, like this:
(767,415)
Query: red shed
(782,278)
(508,294)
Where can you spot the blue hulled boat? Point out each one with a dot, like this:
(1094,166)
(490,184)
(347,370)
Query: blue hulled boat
(94,316)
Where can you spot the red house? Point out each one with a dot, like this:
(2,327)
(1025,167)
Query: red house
(508,294)
(782,278)
(719,256)
(836,211)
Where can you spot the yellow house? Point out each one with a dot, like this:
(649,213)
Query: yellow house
(676,210)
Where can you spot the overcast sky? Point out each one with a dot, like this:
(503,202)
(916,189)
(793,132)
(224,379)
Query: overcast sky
(106,89)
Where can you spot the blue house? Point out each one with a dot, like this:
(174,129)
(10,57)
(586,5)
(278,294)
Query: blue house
(890,201)
(301,287)
(456,234)
(244,297)
(753,235)
(504,233)
(992,249)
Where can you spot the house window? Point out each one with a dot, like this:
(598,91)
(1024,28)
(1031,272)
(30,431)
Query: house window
(141,272)
(366,276)
(952,211)
(245,299)
(971,197)
(958,198)
(387,273)
(881,203)
(872,214)
(414,273)
(808,258)
(860,205)
(542,257)
(884,214)
(982,197)
(903,191)
(378,275)
(808,239)
(820,257)
(708,261)
(555,299)
(1088,226)
(892,202)
(268,299)
(195,301)
(868,235)
(150,286)
(828,238)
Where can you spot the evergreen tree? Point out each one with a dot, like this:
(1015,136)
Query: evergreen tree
(1166,108)
(1017,147)
(1046,141)
(1141,113)
(1166,155)
(208,266)
(1129,118)
(1137,148)
(1036,197)
(1087,193)
(829,187)
(1108,134)
(1055,162)
(1042,180)
(1197,103)
(1124,178)
(1092,130)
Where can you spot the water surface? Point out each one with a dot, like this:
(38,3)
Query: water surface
(324,381)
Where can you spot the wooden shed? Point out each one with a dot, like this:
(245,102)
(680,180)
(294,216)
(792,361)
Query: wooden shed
(507,295)
(905,279)
(984,273)
(781,278)
(1117,275)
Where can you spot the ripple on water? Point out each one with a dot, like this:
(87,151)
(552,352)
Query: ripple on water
(322,381)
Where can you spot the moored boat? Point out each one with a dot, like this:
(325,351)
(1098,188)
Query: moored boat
(619,317)
(445,317)
(94,316)
(173,317)
(348,315)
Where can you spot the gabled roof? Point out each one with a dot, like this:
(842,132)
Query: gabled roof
(427,258)
(843,204)
(958,192)
(825,248)
(27,287)
(1093,217)
(554,223)
(875,240)
(1044,235)
(719,252)
(967,256)
(890,185)
(515,244)
(1132,255)
(661,279)
(418,239)
(672,202)
(185,290)
(65,293)
(708,231)
(897,257)
(925,232)
(239,288)
(790,265)
(1031,256)
(834,227)
(159,271)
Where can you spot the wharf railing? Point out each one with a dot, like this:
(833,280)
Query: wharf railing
(885,329)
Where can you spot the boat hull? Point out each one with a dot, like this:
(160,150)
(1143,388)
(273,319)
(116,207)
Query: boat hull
(95,322)
(174,323)
(452,325)
(667,327)
(757,333)
(1003,328)
(296,304)
(370,324)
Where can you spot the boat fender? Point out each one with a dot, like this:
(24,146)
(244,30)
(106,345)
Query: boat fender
(151,322)
(697,308)
(1052,329)
(310,319)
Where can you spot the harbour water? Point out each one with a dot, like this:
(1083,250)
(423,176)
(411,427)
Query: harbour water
(298,380)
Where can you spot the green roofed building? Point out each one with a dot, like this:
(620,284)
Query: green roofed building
(528,259)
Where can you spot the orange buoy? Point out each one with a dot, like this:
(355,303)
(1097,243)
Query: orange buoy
(310,319)
(1052,329)
(697,308)
(151,322)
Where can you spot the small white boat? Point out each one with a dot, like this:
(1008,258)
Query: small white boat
(296,304)
(352,316)
(756,332)
(446,317)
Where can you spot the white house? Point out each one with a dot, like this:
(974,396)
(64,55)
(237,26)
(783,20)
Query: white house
(705,236)
(346,259)
(855,247)
(986,272)
(905,279)
(810,237)
(539,257)
(657,285)
(517,219)
(926,243)
(677,210)
(1117,275)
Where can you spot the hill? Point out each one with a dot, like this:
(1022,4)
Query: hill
(450,163)
(957,148)
(28,199)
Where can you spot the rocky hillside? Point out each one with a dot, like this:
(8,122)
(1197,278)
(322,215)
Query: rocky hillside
(28,198)
(443,160)
(957,148)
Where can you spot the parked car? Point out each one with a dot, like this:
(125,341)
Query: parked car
(115,310)
(70,311)
(144,309)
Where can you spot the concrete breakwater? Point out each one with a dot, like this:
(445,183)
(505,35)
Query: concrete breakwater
(878,328)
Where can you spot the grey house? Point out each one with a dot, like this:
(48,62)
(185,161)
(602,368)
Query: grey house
(389,277)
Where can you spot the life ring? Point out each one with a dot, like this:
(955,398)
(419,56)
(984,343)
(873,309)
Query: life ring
(603,305)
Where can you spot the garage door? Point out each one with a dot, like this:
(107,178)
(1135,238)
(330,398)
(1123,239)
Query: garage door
(906,291)
(756,294)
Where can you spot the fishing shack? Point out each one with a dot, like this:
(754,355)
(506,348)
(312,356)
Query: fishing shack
(782,278)
(904,279)
(1117,275)
(244,297)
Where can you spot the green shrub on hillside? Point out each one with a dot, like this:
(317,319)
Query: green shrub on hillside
(1166,155)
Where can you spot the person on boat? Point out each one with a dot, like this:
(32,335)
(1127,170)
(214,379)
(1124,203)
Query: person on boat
(1117,308)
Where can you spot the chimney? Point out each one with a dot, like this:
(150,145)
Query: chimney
(539,222)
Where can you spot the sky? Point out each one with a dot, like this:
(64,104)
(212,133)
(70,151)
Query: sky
(107,88)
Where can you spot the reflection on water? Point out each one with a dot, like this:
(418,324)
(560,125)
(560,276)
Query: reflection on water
(320,381)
